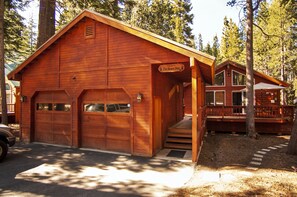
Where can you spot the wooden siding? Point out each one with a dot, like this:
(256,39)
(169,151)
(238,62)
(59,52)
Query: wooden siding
(170,90)
(262,97)
(113,59)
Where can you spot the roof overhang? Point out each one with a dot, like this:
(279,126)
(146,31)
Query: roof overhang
(205,61)
(259,74)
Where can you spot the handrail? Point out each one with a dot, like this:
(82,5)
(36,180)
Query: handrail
(282,112)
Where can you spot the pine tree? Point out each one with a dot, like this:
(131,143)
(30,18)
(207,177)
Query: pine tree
(200,43)
(231,42)
(30,38)
(69,9)
(182,19)
(216,48)
(4,116)
(46,24)
(274,42)
(208,49)
(13,30)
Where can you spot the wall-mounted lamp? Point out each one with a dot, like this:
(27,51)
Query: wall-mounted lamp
(139,97)
(23,99)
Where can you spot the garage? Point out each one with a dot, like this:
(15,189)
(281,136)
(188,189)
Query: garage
(52,118)
(101,84)
(106,120)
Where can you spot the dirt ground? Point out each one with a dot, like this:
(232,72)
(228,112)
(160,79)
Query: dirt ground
(235,165)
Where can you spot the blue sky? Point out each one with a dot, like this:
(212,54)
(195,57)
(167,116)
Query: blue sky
(208,17)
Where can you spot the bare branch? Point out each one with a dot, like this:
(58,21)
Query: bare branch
(271,35)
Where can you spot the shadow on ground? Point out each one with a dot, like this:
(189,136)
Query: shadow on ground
(41,170)
(225,167)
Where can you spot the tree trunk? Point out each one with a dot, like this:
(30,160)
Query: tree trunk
(292,148)
(2,68)
(46,26)
(250,119)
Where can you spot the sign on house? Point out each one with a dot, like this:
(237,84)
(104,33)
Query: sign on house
(169,68)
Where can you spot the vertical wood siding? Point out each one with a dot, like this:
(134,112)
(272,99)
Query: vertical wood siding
(111,60)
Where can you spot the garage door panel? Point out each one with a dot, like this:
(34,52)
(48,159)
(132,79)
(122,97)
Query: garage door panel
(93,119)
(43,117)
(118,145)
(118,133)
(118,121)
(105,128)
(43,127)
(62,139)
(61,117)
(93,131)
(53,124)
(93,142)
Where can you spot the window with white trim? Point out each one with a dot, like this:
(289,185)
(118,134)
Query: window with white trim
(220,79)
(238,79)
(215,98)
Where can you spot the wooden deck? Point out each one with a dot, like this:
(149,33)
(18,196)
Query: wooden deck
(268,119)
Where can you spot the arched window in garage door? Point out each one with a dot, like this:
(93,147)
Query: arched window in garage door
(106,120)
(52,118)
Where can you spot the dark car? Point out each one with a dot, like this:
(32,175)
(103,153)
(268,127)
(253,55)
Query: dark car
(7,139)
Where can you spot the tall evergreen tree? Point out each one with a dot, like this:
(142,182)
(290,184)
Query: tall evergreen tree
(274,42)
(69,9)
(208,49)
(2,69)
(13,30)
(200,43)
(30,38)
(182,20)
(250,7)
(231,43)
(46,24)
(216,48)
(11,25)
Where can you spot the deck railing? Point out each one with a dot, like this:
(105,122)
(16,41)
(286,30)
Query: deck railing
(10,108)
(260,111)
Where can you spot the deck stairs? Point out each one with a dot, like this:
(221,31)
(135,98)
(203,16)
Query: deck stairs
(179,136)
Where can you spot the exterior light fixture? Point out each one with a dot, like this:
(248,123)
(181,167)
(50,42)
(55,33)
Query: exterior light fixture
(23,99)
(139,97)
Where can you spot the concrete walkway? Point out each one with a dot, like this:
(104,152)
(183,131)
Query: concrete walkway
(44,170)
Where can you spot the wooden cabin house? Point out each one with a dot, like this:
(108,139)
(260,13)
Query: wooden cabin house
(102,84)
(226,101)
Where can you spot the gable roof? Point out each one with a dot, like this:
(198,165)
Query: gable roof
(207,62)
(259,74)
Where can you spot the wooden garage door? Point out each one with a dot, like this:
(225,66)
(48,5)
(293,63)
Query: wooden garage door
(106,120)
(53,118)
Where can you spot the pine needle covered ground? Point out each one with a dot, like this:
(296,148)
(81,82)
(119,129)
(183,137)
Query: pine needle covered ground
(235,165)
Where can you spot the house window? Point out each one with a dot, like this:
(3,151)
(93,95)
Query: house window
(94,107)
(62,107)
(119,108)
(220,79)
(215,98)
(238,79)
(209,98)
(44,106)
(219,98)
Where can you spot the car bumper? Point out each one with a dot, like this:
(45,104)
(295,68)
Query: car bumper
(11,141)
